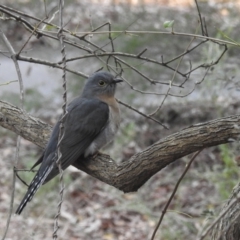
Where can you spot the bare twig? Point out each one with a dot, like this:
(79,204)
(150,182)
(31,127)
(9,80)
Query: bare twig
(208,65)
(173,193)
(17,175)
(200,18)
(32,33)
(112,46)
(115,54)
(51,64)
(141,113)
(64,109)
(25,23)
(16,158)
(185,52)
(170,83)
(181,34)
(40,32)
(7,83)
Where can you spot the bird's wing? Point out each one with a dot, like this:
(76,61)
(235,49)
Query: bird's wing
(51,145)
(84,123)
(86,118)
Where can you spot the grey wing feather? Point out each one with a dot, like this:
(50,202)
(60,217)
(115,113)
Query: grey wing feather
(86,118)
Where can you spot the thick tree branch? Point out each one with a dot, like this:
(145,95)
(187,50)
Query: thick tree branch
(23,124)
(130,175)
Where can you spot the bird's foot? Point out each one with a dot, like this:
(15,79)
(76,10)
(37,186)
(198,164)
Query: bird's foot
(99,154)
(104,155)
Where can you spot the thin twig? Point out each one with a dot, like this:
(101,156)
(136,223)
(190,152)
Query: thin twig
(173,193)
(32,33)
(51,64)
(7,83)
(185,52)
(40,32)
(208,65)
(25,23)
(200,18)
(17,175)
(142,52)
(205,27)
(141,113)
(181,34)
(95,29)
(112,46)
(170,83)
(16,158)
(64,109)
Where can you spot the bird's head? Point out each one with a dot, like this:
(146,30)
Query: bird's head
(100,84)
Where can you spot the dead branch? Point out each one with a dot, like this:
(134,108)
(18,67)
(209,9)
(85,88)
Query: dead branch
(130,175)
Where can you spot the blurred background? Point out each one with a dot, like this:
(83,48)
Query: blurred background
(92,209)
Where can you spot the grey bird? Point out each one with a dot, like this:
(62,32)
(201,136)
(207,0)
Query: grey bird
(91,122)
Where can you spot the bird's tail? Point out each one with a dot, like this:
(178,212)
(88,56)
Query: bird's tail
(32,189)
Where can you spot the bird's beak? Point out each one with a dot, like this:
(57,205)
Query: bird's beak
(117,80)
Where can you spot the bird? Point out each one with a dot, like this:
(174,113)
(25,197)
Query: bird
(91,122)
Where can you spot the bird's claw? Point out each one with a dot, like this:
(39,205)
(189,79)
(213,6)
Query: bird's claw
(99,154)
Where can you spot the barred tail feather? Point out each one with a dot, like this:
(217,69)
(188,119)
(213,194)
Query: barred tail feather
(34,186)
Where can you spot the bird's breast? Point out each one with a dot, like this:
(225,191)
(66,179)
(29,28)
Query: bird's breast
(108,132)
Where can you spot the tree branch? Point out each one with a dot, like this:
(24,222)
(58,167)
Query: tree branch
(130,175)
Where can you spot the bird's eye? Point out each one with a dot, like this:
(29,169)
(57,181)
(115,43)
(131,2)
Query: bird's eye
(101,83)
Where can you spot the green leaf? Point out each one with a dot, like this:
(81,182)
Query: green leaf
(168,24)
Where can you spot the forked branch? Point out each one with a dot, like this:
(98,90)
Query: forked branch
(130,175)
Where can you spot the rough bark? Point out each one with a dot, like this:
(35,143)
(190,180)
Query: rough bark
(228,227)
(130,175)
